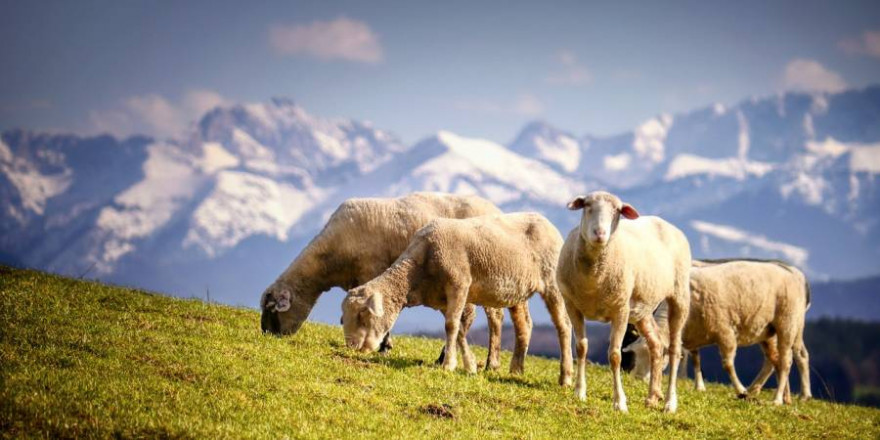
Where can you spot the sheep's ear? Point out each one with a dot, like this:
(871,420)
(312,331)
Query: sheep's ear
(629,212)
(578,203)
(282,300)
(374,305)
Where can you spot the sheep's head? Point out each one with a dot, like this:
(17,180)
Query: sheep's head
(283,313)
(601,214)
(365,320)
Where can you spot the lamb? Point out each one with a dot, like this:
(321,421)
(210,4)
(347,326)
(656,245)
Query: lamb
(492,261)
(745,302)
(361,239)
(619,270)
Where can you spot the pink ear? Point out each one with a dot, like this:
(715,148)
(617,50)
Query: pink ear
(629,212)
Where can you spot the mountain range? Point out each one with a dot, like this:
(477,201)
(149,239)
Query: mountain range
(221,210)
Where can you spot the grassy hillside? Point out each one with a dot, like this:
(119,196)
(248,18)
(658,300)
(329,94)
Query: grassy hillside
(81,359)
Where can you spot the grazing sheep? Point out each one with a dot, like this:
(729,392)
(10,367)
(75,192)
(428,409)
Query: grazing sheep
(361,239)
(746,302)
(492,261)
(619,271)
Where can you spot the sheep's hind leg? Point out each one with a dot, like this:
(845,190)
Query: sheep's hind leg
(771,357)
(785,341)
(802,359)
(678,312)
(522,325)
(556,307)
(698,371)
(648,329)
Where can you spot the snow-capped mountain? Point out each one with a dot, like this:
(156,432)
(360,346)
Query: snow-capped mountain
(229,205)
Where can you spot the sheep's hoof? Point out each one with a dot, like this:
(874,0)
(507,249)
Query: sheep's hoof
(651,401)
(620,405)
(805,398)
(581,395)
(742,395)
(565,381)
(701,387)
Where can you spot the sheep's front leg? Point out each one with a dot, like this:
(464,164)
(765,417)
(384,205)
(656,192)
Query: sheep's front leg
(698,371)
(455,305)
(580,334)
(618,330)
(467,356)
(495,319)
(522,326)
(648,329)
(727,348)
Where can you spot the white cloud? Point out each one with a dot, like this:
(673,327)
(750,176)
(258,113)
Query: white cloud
(528,105)
(154,115)
(866,44)
(525,104)
(570,72)
(343,38)
(811,76)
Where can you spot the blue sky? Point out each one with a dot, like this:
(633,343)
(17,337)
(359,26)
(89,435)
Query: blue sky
(476,68)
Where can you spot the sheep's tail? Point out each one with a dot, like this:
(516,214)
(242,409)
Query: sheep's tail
(809,294)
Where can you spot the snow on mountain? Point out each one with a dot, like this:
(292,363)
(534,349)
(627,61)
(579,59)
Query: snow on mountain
(477,166)
(649,138)
(242,205)
(688,164)
(33,186)
(554,147)
(282,139)
(748,241)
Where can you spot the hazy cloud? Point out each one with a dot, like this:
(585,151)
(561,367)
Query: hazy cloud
(866,44)
(343,38)
(154,115)
(811,76)
(569,72)
(525,104)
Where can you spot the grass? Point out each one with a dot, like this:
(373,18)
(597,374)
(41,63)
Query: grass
(81,359)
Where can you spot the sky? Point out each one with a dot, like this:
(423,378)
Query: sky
(480,69)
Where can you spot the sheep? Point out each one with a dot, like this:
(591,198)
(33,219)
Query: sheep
(492,261)
(360,240)
(619,270)
(746,302)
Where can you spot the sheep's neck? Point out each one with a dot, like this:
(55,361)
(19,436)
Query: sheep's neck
(397,283)
(594,257)
(307,278)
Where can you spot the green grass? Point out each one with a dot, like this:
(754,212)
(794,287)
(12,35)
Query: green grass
(82,359)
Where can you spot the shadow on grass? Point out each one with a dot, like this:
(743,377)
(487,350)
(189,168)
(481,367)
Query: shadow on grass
(515,380)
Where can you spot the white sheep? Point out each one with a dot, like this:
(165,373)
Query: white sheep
(361,239)
(746,302)
(492,261)
(619,270)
